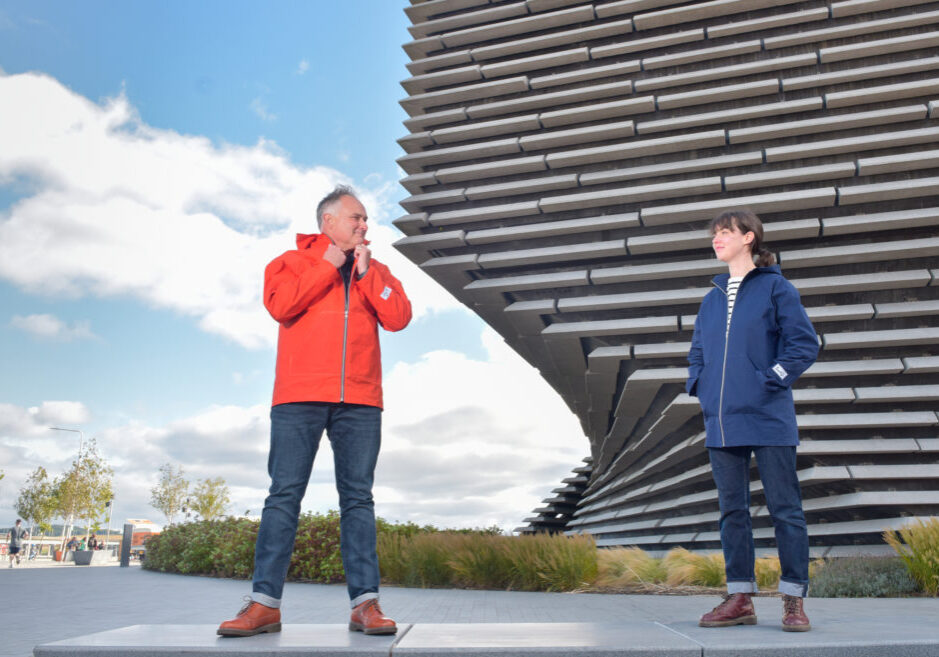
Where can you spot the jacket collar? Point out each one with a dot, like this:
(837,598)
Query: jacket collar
(720,281)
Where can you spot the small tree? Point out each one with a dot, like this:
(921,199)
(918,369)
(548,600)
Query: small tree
(170,492)
(210,498)
(83,491)
(36,503)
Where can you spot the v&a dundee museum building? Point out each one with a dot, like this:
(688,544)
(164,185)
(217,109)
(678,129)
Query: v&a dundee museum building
(563,160)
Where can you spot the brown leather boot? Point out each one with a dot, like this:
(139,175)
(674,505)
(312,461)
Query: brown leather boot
(254,618)
(368,618)
(736,609)
(794,618)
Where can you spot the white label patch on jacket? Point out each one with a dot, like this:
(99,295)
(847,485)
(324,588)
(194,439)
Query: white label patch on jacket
(780,371)
(386,293)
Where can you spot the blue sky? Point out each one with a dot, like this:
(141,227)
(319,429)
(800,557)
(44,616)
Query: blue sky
(153,157)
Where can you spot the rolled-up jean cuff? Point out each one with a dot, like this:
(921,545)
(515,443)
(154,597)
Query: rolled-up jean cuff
(742,587)
(791,588)
(359,599)
(265,600)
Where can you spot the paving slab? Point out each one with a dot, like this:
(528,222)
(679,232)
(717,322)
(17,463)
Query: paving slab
(633,638)
(58,603)
(829,637)
(332,640)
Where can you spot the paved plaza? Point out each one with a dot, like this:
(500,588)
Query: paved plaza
(49,604)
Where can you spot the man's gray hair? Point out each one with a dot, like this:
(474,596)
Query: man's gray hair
(330,200)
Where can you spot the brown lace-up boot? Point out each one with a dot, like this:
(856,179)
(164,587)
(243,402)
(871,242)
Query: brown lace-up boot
(794,618)
(736,609)
(368,618)
(254,618)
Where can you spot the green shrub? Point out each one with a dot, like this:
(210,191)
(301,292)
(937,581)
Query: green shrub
(408,555)
(920,555)
(861,577)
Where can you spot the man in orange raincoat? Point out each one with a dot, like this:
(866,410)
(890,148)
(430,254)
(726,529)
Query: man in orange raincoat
(329,296)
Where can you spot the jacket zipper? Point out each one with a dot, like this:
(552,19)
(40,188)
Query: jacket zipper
(720,403)
(345,335)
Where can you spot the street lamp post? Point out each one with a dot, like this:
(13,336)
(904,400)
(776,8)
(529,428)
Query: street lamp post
(81,445)
(81,438)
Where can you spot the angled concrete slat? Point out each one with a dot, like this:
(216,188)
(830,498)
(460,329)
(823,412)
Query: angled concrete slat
(535,63)
(896,189)
(790,176)
(881,221)
(926,40)
(870,166)
(852,144)
(886,92)
(881,250)
(457,21)
(718,94)
(726,72)
(767,22)
(520,187)
(551,40)
(636,148)
(739,114)
(828,124)
(581,75)
(795,200)
(531,101)
(850,29)
(631,194)
(842,76)
(517,26)
(552,228)
(564,253)
(627,46)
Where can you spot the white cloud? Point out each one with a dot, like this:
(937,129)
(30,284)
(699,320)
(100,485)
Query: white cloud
(259,107)
(303,67)
(121,208)
(50,327)
(465,443)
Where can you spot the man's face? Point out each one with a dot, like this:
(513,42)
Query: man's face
(347,224)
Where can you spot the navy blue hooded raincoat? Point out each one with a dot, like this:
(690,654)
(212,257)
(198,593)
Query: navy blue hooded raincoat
(742,375)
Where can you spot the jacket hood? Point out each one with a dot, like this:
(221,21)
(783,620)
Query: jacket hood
(721,279)
(306,241)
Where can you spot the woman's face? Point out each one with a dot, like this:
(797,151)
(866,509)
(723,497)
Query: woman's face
(730,244)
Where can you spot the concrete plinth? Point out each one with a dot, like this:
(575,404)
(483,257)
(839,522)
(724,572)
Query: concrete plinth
(166,640)
(632,638)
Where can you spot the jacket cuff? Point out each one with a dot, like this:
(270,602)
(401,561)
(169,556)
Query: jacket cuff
(691,386)
(778,377)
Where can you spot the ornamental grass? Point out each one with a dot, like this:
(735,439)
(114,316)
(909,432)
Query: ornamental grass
(918,546)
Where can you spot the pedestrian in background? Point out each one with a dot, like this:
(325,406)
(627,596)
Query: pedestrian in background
(17,535)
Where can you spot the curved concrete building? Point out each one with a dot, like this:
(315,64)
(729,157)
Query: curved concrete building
(563,160)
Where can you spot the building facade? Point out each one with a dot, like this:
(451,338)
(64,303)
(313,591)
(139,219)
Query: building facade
(564,158)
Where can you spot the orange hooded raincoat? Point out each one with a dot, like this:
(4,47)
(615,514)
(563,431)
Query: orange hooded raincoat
(327,346)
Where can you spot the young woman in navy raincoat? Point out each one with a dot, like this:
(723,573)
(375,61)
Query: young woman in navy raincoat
(752,340)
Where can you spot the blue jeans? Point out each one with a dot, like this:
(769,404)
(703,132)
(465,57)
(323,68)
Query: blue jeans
(777,465)
(355,435)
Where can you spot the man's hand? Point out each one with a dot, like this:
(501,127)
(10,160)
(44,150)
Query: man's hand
(362,255)
(334,256)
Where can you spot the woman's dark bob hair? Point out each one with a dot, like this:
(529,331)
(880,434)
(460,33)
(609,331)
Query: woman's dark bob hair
(746,222)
